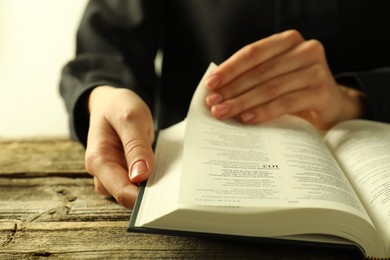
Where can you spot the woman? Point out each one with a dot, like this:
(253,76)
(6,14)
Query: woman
(327,61)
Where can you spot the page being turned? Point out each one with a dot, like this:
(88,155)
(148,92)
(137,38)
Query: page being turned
(283,163)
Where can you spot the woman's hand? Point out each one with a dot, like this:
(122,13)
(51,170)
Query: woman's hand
(119,153)
(281,74)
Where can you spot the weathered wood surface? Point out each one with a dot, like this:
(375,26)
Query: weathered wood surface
(49,208)
(41,157)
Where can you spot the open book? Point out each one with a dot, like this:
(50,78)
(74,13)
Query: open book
(281,179)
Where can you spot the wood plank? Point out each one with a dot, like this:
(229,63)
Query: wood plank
(56,199)
(41,157)
(110,239)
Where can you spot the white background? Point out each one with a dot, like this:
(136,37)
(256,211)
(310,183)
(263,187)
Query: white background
(37,37)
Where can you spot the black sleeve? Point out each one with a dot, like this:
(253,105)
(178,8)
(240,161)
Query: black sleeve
(117,41)
(376,86)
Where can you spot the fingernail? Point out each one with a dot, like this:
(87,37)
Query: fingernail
(139,168)
(220,111)
(214,99)
(213,81)
(247,116)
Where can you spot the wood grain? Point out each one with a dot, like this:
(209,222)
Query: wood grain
(41,157)
(110,240)
(56,199)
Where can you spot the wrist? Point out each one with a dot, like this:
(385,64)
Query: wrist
(96,94)
(355,104)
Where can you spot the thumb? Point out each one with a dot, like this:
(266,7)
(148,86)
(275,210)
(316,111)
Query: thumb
(132,121)
(139,154)
(137,135)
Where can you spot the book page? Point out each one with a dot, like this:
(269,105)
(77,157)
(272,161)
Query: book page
(163,185)
(282,163)
(363,150)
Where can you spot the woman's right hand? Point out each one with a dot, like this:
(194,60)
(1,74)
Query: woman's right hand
(119,153)
(282,74)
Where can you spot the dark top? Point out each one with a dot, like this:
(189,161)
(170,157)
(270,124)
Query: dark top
(117,42)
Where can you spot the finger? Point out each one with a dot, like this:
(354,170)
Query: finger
(291,103)
(111,179)
(100,187)
(303,55)
(251,55)
(265,93)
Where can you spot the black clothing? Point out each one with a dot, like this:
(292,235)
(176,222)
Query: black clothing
(118,39)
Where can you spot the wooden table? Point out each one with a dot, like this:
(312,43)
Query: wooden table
(49,208)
